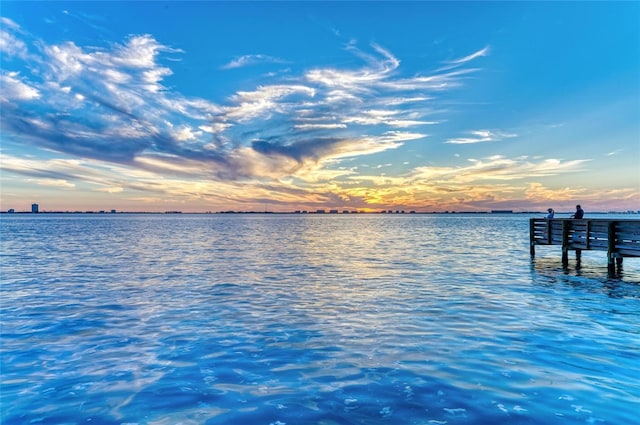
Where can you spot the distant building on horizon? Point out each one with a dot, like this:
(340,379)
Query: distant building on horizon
(35,208)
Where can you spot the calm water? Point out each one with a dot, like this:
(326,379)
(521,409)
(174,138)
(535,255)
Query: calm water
(310,319)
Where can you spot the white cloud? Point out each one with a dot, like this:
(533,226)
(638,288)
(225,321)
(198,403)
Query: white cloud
(273,92)
(111,189)
(60,183)
(139,52)
(127,66)
(10,45)
(264,100)
(214,128)
(250,60)
(66,60)
(496,167)
(319,126)
(116,76)
(482,52)
(408,123)
(153,76)
(373,144)
(482,136)
(13,88)
(6,22)
(185,133)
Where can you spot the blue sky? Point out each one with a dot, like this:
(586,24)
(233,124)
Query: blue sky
(427,106)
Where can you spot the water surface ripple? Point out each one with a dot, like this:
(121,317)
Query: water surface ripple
(310,319)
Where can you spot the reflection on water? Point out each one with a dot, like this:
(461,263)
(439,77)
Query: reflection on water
(283,319)
(589,270)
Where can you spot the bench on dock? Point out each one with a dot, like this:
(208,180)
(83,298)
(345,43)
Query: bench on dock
(620,238)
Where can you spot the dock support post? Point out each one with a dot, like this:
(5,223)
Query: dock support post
(532,239)
(611,246)
(565,243)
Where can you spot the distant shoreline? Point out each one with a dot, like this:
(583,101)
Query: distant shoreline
(318,212)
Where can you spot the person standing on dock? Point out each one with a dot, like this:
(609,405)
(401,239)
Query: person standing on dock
(579,213)
(551,213)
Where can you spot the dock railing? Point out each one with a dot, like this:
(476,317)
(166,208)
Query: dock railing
(619,238)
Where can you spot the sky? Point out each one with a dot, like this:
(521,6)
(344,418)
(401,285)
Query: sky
(283,106)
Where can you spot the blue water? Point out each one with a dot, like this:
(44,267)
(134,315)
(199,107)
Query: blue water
(310,319)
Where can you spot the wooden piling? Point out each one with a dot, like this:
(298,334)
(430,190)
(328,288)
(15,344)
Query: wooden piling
(532,241)
(611,243)
(565,243)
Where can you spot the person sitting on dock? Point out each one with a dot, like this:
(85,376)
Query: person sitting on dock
(551,213)
(579,213)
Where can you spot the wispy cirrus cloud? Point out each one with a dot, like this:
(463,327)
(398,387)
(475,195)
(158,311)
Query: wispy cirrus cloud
(60,183)
(482,52)
(251,60)
(10,44)
(459,63)
(389,117)
(482,136)
(489,169)
(15,89)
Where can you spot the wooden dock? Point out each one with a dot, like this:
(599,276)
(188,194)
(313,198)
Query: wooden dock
(619,238)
